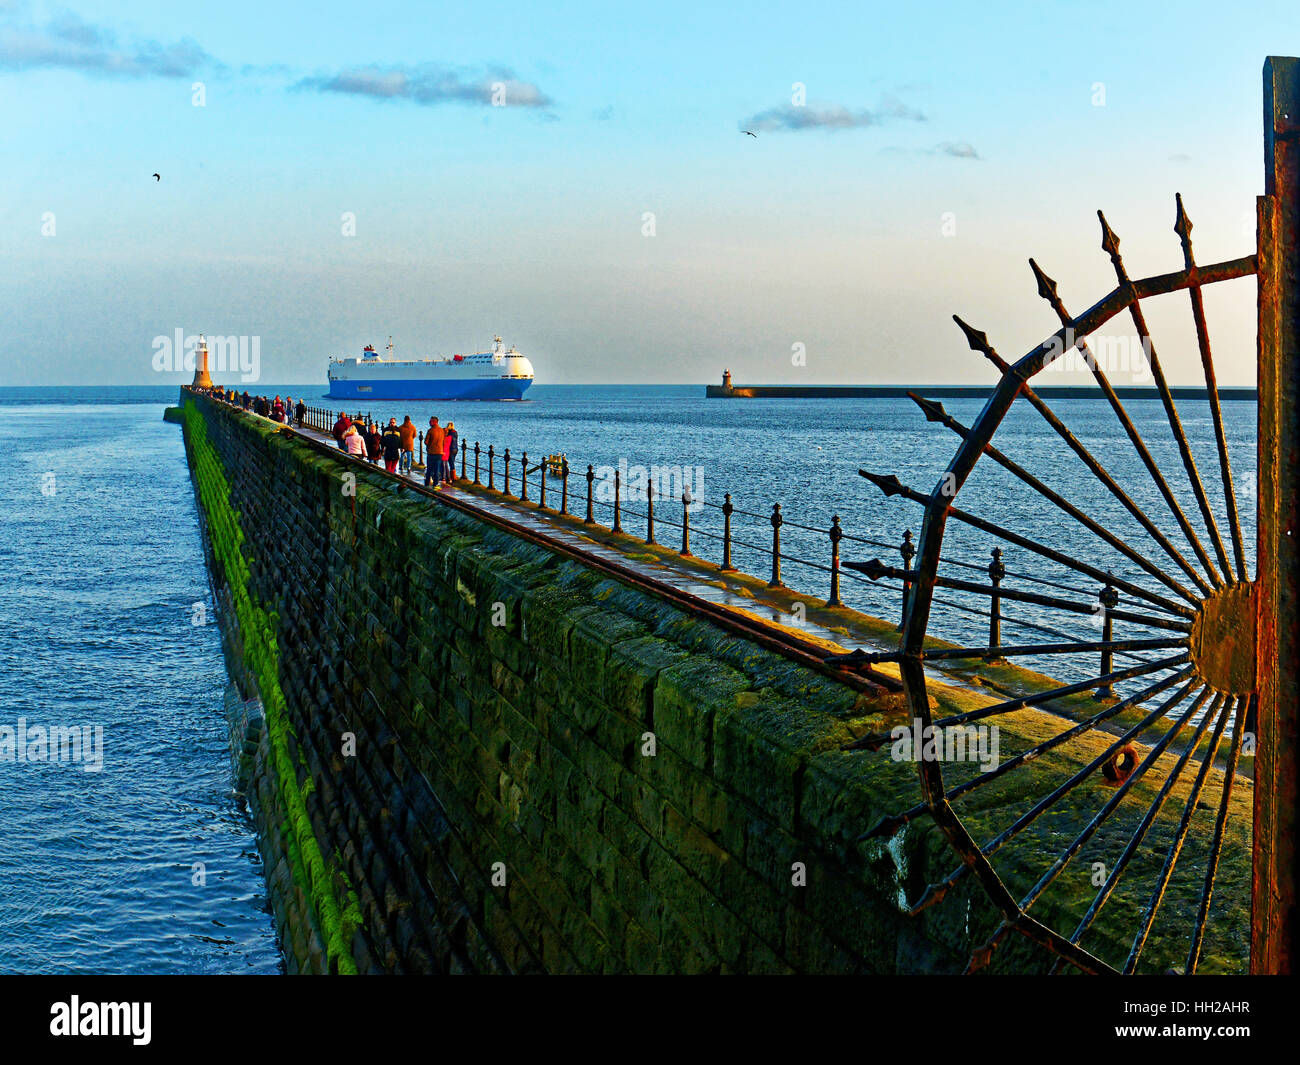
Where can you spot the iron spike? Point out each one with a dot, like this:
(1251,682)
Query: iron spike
(875,569)
(1183,224)
(1109,241)
(932,409)
(890,484)
(978,340)
(1046,286)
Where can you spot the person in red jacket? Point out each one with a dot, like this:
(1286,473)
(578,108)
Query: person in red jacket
(340,428)
(374,442)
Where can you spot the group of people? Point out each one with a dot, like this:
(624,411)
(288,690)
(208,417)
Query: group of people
(393,444)
(278,410)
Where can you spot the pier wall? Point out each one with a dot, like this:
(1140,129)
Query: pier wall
(468,753)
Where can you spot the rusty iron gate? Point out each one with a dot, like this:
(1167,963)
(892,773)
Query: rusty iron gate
(1211,669)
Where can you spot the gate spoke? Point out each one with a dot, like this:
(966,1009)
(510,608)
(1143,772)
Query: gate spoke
(1183,227)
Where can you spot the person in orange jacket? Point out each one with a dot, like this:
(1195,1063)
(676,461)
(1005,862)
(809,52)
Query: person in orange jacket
(407,432)
(435,450)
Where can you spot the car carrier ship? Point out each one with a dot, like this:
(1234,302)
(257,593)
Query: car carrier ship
(495,374)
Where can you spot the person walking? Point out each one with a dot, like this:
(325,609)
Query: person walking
(453,441)
(435,446)
(408,444)
(300,412)
(392,441)
(340,429)
(277,410)
(374,442)
(353,442)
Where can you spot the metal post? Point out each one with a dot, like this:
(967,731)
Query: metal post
(422,447)
(1273,947)
(836,534)
(686,522)
(727,508)
(908,550)
(1109,600)
(476,453)
(590,519)
(564,486)
(464,457)
(523,476)
(776,519)
(617,526)
(649,511)
(996,572)
(506,489)
(541,485)
(491,470)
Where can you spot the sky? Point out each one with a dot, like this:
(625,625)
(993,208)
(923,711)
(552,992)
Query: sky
(575,177)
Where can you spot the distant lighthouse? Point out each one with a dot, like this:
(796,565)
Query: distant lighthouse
(726,380)
(202,379)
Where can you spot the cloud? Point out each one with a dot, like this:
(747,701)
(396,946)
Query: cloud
(957,149)
(68,42)
(1180,157)
(796,118)
(429,84)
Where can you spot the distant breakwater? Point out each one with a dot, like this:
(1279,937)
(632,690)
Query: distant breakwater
(958,392)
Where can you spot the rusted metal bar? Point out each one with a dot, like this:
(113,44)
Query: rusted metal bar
(1047,289)
(873,740)
(1218,712)
(836,535)
(1190,806)
(1043,804)
(935,412)
(892,486)
(936,891)
(1183,227)
(876,569)
(1126,785)
(978,341)
(1277,649)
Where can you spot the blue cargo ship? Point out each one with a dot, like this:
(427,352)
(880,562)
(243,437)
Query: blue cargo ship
(495,374)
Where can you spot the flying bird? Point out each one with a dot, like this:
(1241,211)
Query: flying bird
(748,134)
(157,177)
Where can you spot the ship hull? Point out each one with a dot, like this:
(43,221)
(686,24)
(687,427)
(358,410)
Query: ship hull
(487,388)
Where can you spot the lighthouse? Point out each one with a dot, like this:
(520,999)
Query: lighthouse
(726,380)
(202,379)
